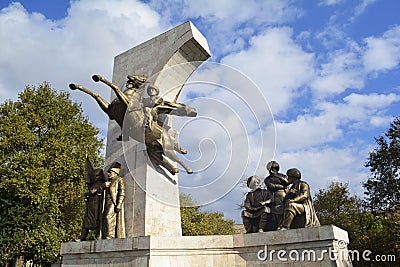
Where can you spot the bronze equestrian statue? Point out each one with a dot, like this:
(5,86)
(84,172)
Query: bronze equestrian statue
(139,118)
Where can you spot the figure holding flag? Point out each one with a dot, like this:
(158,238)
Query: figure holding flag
(92,219)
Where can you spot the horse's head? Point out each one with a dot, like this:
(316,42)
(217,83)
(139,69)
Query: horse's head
(135,81)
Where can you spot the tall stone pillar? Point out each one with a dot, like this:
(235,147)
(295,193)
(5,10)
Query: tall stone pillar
(152,201)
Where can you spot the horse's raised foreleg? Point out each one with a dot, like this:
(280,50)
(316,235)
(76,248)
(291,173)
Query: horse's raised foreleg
(102,103)
(120,95)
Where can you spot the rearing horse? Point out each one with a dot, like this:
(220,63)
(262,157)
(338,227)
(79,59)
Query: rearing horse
(129,112)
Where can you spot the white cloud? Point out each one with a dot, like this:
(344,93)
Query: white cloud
(323,165)
(356,110)
(277,65)
(329,2)
(72,49)
(348,67)
(332,35)
(383,53)
(373,101)
(359,10)
(380,121)
(341,72)
(235,12)
(228,24)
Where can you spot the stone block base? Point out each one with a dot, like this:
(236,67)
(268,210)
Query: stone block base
(317,246)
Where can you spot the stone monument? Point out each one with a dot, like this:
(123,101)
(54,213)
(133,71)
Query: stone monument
(153,224)
(152,202)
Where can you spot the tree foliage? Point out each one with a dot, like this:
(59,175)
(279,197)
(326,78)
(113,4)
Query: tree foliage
(367,231)
(334,205)
(383,187)
(196,222)
(43,141)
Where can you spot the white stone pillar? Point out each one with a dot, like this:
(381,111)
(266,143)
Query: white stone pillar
(152,201)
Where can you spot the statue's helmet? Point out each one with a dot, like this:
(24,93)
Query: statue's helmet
(153,90)
(253,182)
(293,172)
(273,166)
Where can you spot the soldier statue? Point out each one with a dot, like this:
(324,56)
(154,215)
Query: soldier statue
(94,205)
(113,214)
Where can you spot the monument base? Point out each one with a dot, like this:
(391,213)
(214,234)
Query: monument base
(317,246)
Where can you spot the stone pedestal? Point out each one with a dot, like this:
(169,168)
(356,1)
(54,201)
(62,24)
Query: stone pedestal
(152,201)
(314,247)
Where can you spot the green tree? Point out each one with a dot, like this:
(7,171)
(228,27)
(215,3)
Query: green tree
(196,222)
(367,231)
(383,187)
(382,190)
(334,205)
(43,141)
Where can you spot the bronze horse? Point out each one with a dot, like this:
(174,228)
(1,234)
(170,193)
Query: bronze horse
(139,118)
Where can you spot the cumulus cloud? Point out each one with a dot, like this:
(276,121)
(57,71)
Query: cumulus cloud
(348,68)
(277,64)
(72,49)
(323,165)
(382,53)
(228,25)
(355,110)
(341,72)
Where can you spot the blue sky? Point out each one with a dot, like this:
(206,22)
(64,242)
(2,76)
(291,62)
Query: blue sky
(328,69)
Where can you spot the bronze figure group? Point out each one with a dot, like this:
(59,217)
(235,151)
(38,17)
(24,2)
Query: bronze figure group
(284,203)
(104,200)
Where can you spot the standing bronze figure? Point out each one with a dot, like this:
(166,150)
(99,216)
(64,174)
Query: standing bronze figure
(277,184)
(94,201)
(94,205)
(257,211)
(299,209)
(113,214)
